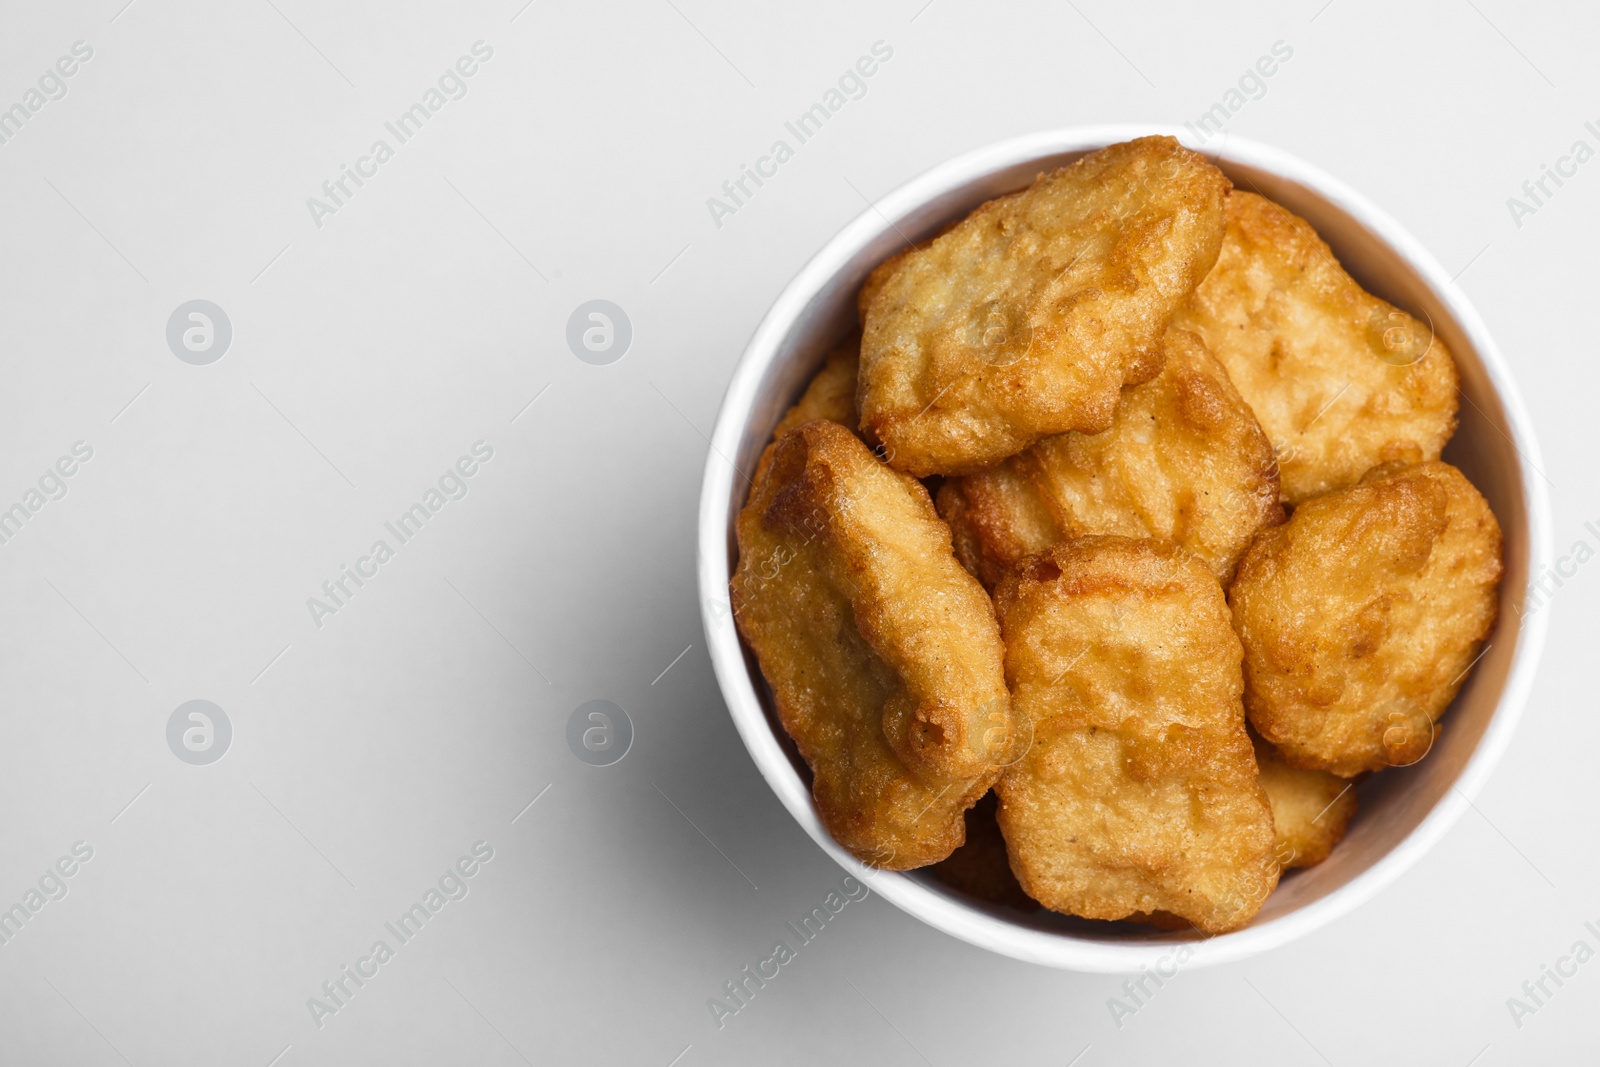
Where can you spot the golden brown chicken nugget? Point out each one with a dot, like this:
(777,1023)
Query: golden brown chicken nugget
(1362,614)
(1028,317)
(979,868)
(883,654)
(1311,809)
(1139,793)
(883,271)
(831,395)
(1341,380)
(1185,461)
(880,276)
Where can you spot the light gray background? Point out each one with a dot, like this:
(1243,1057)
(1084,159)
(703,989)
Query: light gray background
(369,354)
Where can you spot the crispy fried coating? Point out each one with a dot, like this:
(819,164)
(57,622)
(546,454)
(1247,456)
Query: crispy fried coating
(883,654)
(1028,317)
(1185,461)
(882,272)
(979,868)
(1139,793)
(1362,614)
(831,395)
(880,276)
(1341,380)
(1311,809)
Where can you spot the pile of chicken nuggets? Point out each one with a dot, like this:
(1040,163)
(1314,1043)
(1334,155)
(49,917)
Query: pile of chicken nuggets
(1114,548)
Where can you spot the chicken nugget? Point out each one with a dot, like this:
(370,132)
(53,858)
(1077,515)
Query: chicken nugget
(1139,793)
(883,654)
(1311,809)
(979,868)
(831,395)
(883,271)
(1341,380)
(881,274)
(1028,317)
(1185,461)
(1362,614)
